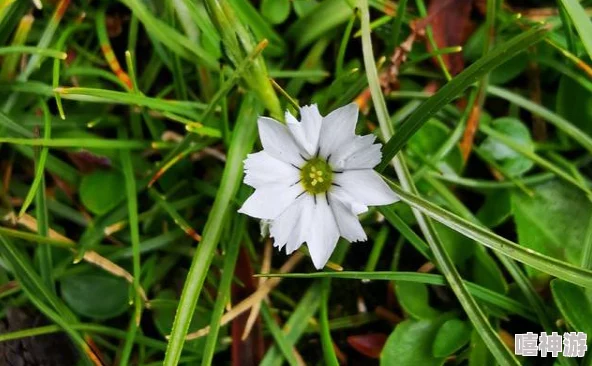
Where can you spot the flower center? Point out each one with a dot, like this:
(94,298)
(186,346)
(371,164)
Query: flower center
(317,176)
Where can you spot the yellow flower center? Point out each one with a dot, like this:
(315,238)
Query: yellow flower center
(317,176)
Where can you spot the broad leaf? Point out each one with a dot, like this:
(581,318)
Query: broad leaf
(276,11)
(414,299)
(96,295)
(411,344)
(496,209)
(554,221)
(102,191)
(513,162)
(451,336)
(575,304)
(427,141)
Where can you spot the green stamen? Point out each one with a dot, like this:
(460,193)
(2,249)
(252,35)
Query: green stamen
(317,176)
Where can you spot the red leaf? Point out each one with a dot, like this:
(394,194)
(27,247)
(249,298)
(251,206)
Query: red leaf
(451,25)
(368,344)
(87,161)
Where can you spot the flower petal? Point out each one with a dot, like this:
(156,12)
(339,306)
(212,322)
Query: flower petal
(302,224)
(339,127)
(347,222)
(306,132)
(366,187)
(278,142)
(323,233)
(359,153)
(261,169)
(271,200)
(287,225)
(352,205)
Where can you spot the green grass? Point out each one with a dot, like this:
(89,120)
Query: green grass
(122,139)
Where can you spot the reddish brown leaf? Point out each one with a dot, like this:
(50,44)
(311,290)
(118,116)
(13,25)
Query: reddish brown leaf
(466,143)
(87,162)
(368,344)
(250,351)
(451,25)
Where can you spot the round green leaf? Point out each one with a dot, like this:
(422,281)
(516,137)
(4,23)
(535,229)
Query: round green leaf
(509,70)
(487,273)
(514,163)
(413,298)
(428,140)
(459,247)
(553,221)
(303,7)
(480,354)
(451,336)
(276,11)
(102,191)
(96,295)
(411,344)
(496,209)
(575,304)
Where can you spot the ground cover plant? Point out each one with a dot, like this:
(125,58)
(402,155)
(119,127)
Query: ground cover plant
(124,126)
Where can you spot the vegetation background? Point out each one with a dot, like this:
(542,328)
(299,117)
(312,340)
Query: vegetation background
(124,124)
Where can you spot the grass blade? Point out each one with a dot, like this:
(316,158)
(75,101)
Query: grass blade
(442,259)
(581,21)
(489,239)
(40,166)
(188,109)
(278,336)
(452,89)
(296,324)
(132,208)
(480,292)
(230,257)
(33,50)
(38,190)
(243,139)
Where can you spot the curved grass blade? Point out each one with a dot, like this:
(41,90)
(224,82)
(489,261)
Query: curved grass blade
(296,324)
(326,16)
(86,327)
(87,143)
(40,166)
(581,21)
(452,89)
(38,190)
(188,109)
(170,37)
(489,239)
(278,335)
(47,52)
(37,239)
(442,259)
(39,294)
(132,208)
(480,292)
(223,294)
(243,139)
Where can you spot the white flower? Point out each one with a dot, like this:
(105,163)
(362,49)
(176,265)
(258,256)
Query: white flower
(313,178)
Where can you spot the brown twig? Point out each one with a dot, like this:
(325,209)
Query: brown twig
(254,298)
